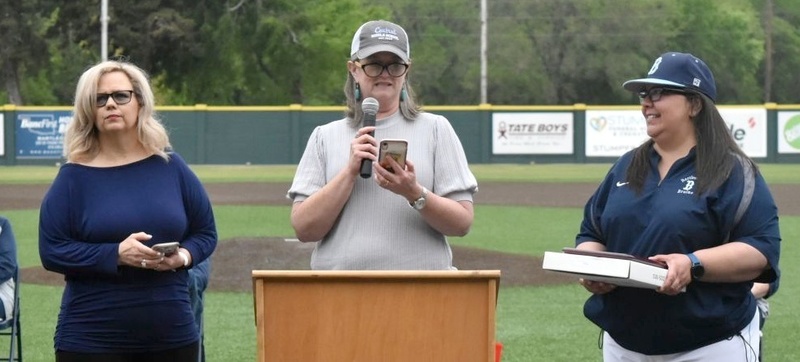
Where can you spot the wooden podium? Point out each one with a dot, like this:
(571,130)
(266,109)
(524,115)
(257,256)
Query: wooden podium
(354,316)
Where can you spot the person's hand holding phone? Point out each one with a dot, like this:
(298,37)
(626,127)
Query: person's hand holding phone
(167,249)
(132,251)
(393,149)
(403,182)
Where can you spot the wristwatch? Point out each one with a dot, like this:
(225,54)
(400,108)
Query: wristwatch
(697,267)
(420,202)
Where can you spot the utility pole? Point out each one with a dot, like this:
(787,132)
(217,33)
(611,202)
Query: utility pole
(104,30)
(768,16)
(484,26)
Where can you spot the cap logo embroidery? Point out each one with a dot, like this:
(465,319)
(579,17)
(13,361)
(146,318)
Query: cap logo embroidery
(385,34)
(654,68)
(696,82)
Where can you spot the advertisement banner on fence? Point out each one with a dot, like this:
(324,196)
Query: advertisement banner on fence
(788,132)
(2,135)
(611,133)
(748,127)
(40,135)
(532,133)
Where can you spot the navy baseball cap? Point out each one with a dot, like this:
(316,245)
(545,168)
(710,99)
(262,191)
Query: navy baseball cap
(380,36)
(678,70)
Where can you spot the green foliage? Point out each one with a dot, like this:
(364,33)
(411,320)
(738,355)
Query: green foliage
(296,52)
(786,40)
(283,52)
(705,24)
(451,76)
(21,47)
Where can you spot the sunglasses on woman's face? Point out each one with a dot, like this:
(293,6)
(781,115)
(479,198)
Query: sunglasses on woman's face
(120,97)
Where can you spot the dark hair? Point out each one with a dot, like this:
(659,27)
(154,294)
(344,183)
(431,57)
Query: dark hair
(715,153)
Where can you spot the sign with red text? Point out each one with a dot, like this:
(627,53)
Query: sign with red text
(748,126)
(611,133)
(532,133)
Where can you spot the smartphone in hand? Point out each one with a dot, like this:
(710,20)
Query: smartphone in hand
(167,248)
(394,148)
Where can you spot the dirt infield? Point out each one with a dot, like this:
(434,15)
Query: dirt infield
(235,258)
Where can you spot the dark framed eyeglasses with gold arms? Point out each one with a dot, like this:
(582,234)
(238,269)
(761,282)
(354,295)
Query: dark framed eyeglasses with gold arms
(374,70)
(120,97)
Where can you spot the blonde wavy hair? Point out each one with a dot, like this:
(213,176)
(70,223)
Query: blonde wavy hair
(81,138)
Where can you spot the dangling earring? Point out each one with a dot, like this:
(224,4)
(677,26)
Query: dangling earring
(357,92)
(403,94)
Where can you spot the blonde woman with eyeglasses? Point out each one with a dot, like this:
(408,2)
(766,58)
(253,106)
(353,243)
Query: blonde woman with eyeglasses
(121,191)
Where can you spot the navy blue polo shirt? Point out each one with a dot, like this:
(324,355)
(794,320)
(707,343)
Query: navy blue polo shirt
(670,217)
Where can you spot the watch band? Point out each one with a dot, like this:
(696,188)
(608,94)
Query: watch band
(420,202)
(698,269)
(184,258)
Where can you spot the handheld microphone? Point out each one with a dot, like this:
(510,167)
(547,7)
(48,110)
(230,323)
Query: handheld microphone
(370,108)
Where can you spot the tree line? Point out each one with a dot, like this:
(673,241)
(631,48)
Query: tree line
(279,52)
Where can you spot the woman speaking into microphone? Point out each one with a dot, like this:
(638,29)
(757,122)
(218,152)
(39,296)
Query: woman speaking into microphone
(400,217)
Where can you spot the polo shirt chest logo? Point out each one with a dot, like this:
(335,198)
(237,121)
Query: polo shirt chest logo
(688,185)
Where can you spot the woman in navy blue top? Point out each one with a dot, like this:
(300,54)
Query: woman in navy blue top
(675,199)
(120,193)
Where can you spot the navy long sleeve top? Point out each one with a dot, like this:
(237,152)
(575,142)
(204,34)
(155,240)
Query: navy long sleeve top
(668,217)
(86,213)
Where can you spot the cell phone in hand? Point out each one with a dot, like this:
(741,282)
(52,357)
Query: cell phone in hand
(167,248)
(394,148)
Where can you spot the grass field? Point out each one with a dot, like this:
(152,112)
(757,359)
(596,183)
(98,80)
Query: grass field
(534,323)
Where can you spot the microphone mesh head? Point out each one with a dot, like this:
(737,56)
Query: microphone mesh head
(370,106)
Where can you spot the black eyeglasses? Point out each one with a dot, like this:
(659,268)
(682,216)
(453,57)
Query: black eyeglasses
(120,97)
(655,93)
(374,70)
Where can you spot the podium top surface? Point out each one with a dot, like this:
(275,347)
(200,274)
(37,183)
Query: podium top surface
(377,274)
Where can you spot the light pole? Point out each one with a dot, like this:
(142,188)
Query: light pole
(104,30)
(484,25)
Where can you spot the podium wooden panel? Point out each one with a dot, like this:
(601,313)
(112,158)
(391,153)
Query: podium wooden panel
(384,316)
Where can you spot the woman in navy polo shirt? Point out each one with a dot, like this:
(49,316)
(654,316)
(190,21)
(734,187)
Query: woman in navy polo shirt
(674,199)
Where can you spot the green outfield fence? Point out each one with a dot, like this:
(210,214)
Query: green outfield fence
(580,133)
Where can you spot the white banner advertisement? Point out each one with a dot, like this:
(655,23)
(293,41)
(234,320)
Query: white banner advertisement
(788,132)
(748,127)
(532,133)
(611,133)
(2,136)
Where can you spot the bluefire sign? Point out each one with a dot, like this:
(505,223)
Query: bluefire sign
(40,135)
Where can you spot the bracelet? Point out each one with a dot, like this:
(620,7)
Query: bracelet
(184,258)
